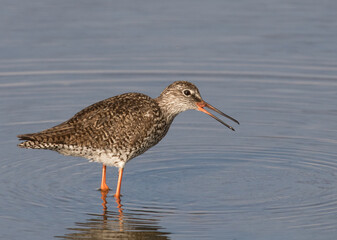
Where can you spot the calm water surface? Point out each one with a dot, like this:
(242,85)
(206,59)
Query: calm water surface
(271,66)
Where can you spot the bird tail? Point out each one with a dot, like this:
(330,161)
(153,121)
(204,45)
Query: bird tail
(30,141)
(35,141)
(29,136)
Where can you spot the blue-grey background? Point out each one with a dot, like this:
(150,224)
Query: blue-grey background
(270,64)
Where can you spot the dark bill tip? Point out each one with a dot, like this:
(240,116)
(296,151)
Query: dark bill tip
(203,104)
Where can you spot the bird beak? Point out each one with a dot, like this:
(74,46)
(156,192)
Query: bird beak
(203,104)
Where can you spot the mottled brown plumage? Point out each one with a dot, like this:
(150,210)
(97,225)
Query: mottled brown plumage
(111,131)
(117,129)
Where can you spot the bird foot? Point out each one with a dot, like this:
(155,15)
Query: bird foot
(104,188)
(117,196)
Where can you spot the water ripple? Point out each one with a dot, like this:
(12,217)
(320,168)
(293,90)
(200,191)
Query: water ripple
(277,170)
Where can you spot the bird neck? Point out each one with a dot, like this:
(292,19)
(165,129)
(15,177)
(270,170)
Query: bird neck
(168,107)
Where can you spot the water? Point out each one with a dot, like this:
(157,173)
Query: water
(270,64)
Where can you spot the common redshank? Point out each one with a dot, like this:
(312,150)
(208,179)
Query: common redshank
(115,130)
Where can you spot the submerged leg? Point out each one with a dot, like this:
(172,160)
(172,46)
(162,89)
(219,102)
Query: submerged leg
(104,186)
(120,176)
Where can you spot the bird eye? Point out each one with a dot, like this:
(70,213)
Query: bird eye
(187,92)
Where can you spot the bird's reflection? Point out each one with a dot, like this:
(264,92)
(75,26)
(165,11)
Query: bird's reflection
(115,224)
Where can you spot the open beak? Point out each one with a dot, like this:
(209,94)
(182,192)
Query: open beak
(203,104)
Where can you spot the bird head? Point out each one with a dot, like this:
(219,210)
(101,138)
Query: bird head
(182,95)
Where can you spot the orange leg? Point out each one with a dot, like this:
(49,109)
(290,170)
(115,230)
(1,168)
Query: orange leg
(104,187)
(120,176)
